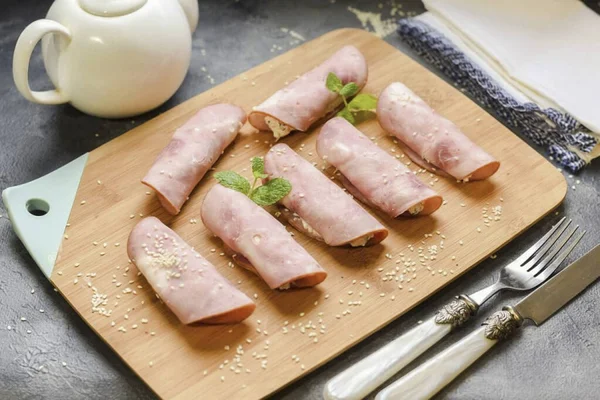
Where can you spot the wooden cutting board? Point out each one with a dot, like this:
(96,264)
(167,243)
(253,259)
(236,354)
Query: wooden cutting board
(294,332)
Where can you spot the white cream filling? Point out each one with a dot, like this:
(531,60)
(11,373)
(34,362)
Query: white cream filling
(278,128)
(361,241)
(309,228)
(417,208)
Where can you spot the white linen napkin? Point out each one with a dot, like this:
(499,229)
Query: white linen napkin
(548,50)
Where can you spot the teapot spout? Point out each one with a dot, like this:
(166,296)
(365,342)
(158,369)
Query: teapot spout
(190,8)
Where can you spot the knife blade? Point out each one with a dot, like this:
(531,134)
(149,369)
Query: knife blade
(542,303)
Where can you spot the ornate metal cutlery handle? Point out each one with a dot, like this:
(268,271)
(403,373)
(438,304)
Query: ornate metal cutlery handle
(502,324)
(456,312)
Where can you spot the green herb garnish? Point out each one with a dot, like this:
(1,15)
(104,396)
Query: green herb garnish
(265,195)
(361,104)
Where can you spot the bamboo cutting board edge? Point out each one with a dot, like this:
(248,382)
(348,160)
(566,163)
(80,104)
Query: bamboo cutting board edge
(167,122)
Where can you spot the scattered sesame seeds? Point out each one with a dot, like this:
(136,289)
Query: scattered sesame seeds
(82,202)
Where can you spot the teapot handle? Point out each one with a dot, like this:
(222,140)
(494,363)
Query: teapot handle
(23,50)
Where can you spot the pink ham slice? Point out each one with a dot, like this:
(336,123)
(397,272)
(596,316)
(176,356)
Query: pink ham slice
(259,240)
(373,174)
(431,137)
(320,203)
(304,101)
(191,153)
(186,282)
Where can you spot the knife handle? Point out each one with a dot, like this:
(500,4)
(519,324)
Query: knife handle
(430,377)
(366,375)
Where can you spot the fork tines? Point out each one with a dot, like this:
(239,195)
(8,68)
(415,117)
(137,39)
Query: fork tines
(550,251)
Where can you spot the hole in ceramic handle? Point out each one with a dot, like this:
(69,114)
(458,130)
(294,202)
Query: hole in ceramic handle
(37,207)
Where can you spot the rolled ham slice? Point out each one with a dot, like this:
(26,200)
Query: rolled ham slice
(432,140)
(371,174)
(321,205)
(298,105)
(258,240)
(191,153)
(185,281)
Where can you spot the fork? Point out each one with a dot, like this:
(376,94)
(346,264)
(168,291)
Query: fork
(529,270)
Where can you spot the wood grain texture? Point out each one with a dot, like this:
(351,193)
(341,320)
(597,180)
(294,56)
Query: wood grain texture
(173,360)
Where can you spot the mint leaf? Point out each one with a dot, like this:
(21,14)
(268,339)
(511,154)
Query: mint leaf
(347,115)
(258,168)
(271,192)
(233,180)
(363,102)
(349,90)
(333,83)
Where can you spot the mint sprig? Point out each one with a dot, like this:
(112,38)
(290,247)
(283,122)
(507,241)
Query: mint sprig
(265,195)
(360,104)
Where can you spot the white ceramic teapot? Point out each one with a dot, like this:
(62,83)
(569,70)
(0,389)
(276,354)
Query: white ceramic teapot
(110,58)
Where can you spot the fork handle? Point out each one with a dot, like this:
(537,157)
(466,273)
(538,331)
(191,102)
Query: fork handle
(430,377)
(365,376)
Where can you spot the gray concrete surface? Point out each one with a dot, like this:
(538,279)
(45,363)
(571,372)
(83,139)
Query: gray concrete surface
(559,360)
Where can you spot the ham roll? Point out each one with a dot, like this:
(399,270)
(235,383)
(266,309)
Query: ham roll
(191,153)
(321,208)
(258,241)
(185,281)
(371,174)
(297,106)
(431,140)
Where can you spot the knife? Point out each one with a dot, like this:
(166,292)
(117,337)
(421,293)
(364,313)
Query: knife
(430,377)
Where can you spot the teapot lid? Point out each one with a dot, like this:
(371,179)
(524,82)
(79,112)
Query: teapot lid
(111,8)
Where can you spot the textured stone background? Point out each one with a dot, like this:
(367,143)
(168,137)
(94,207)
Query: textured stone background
(556,361)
